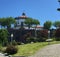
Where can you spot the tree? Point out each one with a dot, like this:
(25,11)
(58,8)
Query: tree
(3,36)
(7,21)
(56,24)
(2,22)
(47,25)
(36,22)
(29,22)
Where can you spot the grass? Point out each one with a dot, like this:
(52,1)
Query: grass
(29,49)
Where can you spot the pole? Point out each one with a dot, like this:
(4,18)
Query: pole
(11,38)
(48,37)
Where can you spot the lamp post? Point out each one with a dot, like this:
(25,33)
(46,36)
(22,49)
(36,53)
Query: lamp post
(11,38)
(48,36)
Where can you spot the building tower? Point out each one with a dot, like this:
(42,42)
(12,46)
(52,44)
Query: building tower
(20,20)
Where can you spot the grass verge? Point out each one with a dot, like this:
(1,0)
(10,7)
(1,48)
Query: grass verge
(29,49)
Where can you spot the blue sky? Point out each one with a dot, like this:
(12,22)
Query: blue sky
(42,10)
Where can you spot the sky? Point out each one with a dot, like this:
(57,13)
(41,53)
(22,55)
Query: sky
(43,10)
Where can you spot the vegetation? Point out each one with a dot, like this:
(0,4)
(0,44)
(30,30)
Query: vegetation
(29,49)
(56,24)
(3,36)
(30,21)
(11,49)
(47,25)
(6,22)
(40,36)
(57,34)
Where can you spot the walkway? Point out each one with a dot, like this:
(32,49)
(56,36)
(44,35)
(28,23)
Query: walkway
(49,51)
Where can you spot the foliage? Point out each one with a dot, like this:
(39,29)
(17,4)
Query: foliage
(31,39)
(42,35)
(47,25)
(29,49)
(11,49)
(14,43)
(56,24)
(3,36)
(18,43)
(31,21)
(3,21)
(36,22)
(6,22)
(57,34)
(0,47)
(9,21)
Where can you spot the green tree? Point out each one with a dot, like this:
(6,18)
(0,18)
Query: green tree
(47,25)
(6,22)
(56,24)
(36,22)
(9,21)
(29,22)
(3,36)
(2,22)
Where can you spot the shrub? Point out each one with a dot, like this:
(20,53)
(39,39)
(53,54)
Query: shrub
(42,35)
(3,36)
(31,39)
(11,49)
(0,47)
(57,34)
(14,43)
(18,43)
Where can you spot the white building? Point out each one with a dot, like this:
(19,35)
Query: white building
(20,22)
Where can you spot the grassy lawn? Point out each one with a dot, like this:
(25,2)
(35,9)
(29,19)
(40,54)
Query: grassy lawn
(29,49)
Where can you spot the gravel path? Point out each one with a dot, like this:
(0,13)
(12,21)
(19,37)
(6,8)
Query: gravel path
(48,51)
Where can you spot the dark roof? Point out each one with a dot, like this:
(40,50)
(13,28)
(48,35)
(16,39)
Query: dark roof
(22,17)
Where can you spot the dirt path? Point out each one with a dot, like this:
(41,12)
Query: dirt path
(48,51)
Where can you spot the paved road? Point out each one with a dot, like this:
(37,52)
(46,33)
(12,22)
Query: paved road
(2,55)
(48,51)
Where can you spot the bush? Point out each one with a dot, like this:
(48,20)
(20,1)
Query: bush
(0,47)
(18,43)
(42,35)
(11,49)
(57,35)
(14,43)
(31,39)
(3,36)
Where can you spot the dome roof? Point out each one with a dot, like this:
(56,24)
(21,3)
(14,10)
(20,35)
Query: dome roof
(22,17)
